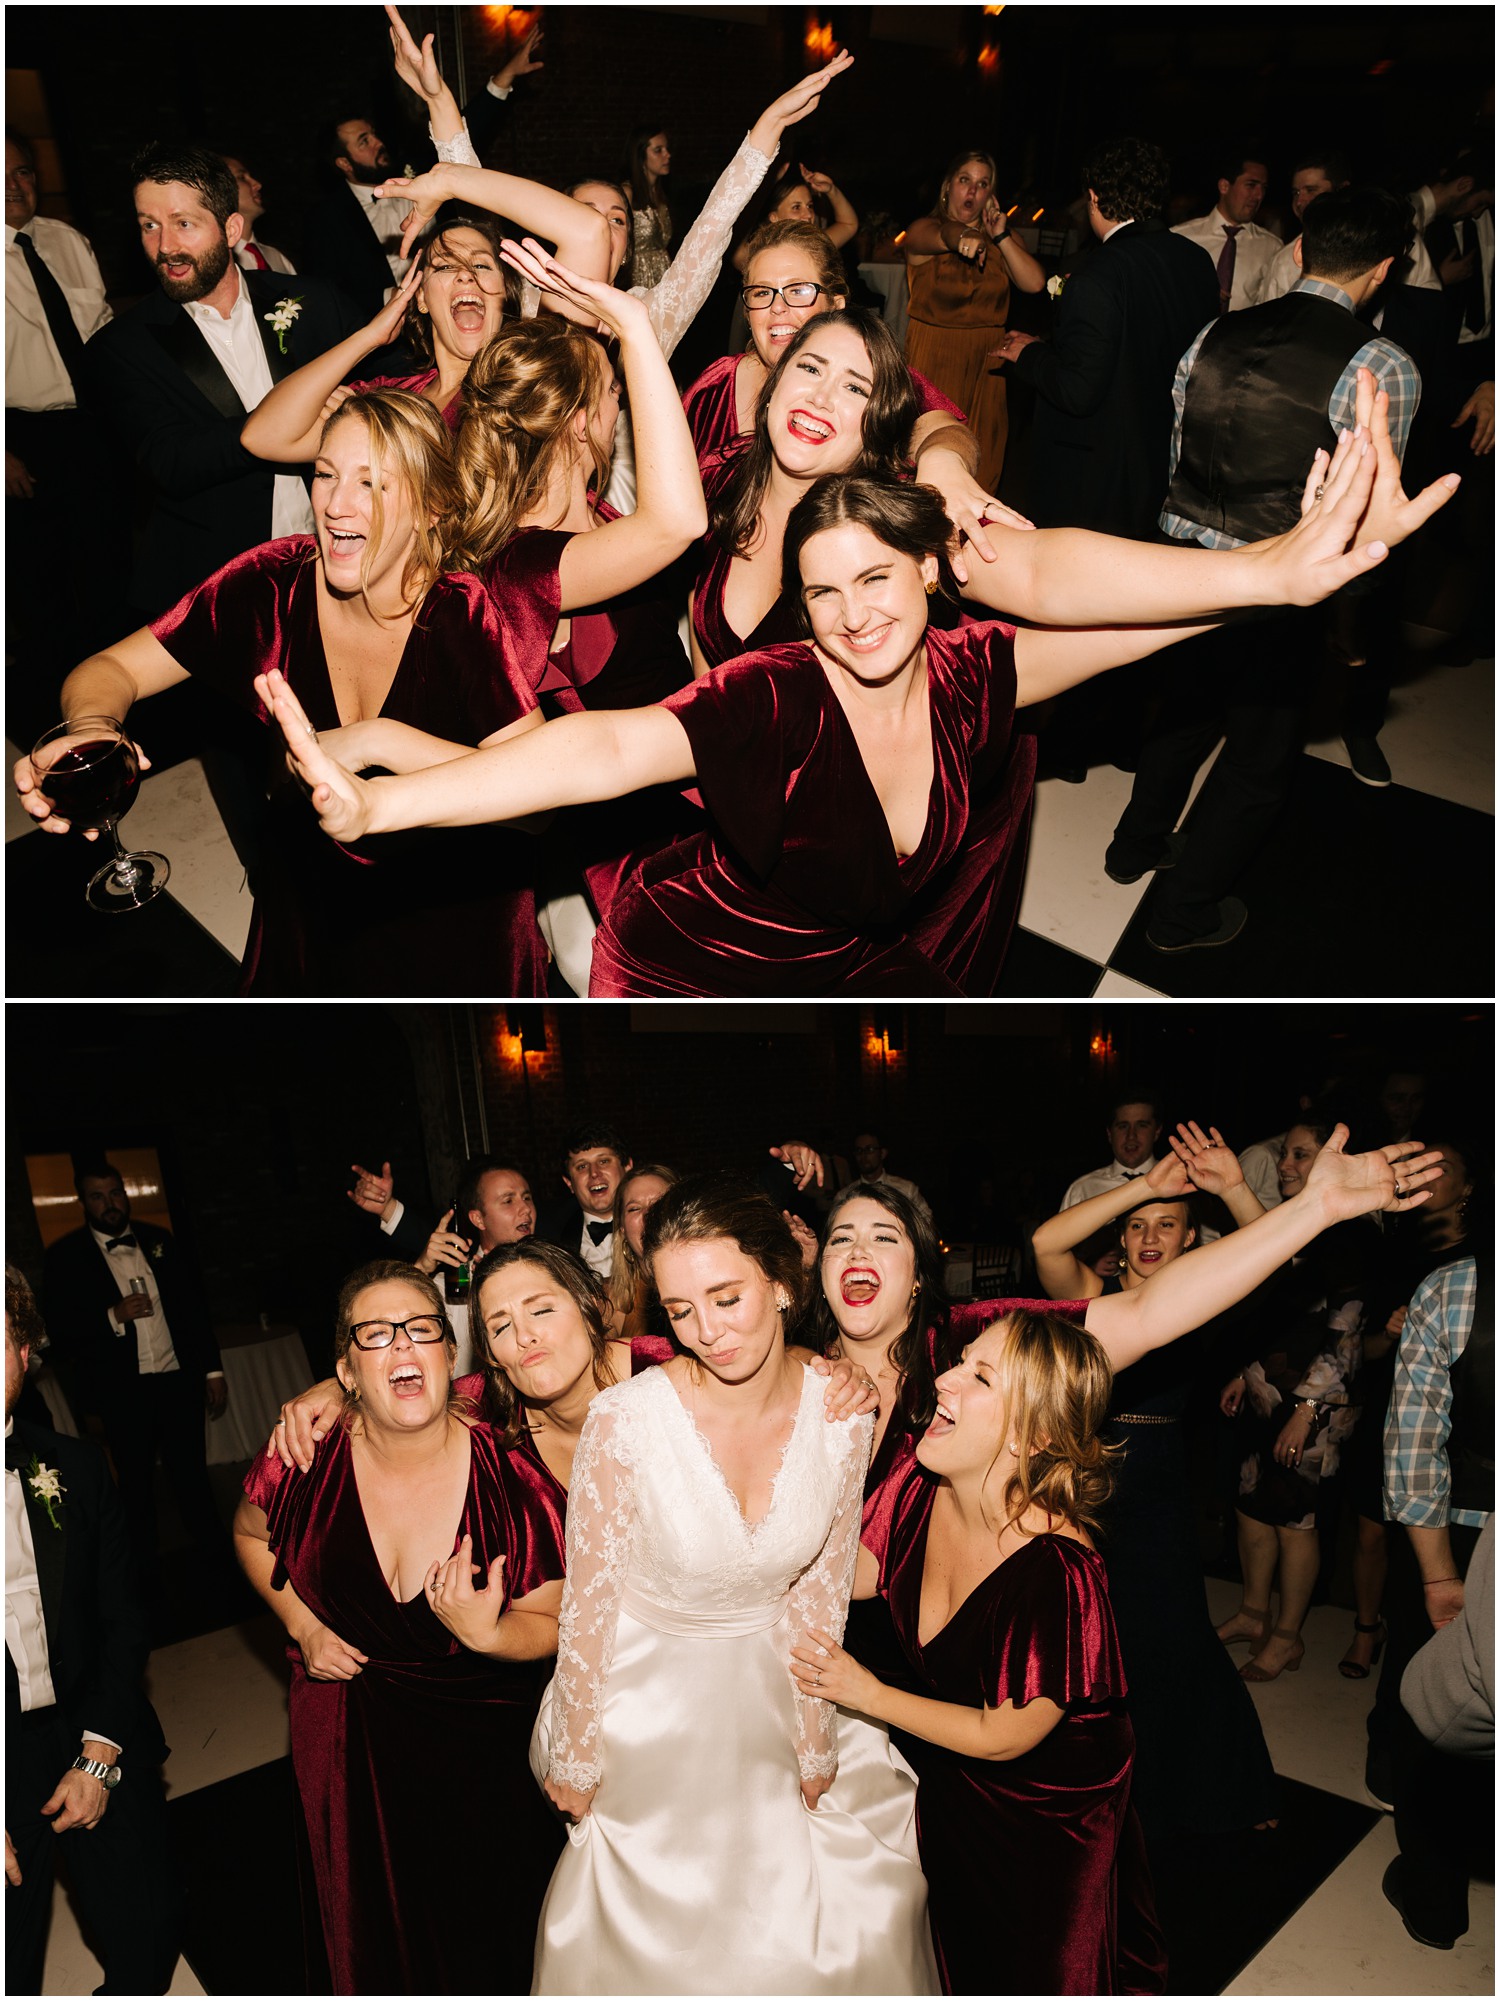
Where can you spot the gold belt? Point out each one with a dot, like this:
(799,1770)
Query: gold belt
(1131,1417)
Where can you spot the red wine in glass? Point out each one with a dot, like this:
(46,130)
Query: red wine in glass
(89,770)
(95,782)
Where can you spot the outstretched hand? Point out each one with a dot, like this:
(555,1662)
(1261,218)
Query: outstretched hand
(802,99)
(341,801)
(417,68)
(593,299)
(426,192)
(1168,1180)
(1209,1164)
(971,511)
(1392,1177)
(1390,516)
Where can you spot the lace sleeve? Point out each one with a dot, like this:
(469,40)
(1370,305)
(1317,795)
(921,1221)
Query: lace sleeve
(820,1598)
(675,303)
(458,151)
(601,1519)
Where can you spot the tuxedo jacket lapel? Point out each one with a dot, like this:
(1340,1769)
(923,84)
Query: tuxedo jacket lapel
(193,355)
(50,1544)
(265,288)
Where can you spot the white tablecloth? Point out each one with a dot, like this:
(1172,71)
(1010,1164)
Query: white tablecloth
(889,280)
(261,1376)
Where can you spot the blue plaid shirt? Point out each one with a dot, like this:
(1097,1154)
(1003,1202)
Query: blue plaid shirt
(1438,1323)
(1394,371)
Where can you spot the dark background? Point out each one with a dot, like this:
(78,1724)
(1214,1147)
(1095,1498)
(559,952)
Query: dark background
(258,1113)
(1398,87)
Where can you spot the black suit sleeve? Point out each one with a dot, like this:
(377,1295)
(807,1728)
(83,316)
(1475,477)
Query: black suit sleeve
(485,115)
(182,450)
(1074,369)
(107,1695)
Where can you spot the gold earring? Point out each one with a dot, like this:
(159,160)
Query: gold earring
(932,587)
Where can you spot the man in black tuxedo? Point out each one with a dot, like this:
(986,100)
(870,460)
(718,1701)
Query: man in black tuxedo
(82,1744)
(132,1339)
(357,232)
(595,1162)
(177,375)
(1103,381)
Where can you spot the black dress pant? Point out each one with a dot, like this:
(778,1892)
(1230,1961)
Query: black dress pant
(163,1414)
(1247,682)
(121,1872)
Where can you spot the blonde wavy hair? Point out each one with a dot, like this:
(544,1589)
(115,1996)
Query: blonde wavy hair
(1054,1381)
(520,398)
(409,446)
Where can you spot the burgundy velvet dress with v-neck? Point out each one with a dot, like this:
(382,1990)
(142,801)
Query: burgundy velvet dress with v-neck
(1036,1871)
(447,910)
(412,1776)
(795,886)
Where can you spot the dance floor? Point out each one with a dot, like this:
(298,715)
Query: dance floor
(1296,1912)
(1351,877)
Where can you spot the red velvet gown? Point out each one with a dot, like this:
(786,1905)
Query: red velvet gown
(1037,1877)
(414,385)
(402,914)
(416,1794)
(714,420)
(794,886)
(623,655)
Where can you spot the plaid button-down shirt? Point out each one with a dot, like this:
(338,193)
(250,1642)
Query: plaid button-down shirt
(1393,369)
(1438,1323)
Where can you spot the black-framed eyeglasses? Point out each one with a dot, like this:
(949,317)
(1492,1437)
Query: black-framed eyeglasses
(758,298)
(381,1333)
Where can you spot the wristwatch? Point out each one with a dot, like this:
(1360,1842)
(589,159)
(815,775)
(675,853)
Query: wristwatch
(107,1775)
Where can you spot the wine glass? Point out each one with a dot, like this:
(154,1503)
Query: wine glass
(87,767)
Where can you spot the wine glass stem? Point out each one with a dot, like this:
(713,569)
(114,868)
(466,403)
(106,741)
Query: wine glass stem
(122,859)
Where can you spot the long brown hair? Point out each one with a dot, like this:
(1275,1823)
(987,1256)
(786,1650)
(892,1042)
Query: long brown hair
(708,1206)
(886,428)
(501,1406)
(409,443)
(418,328)
(628,1276)
(520,398)
(1054,1382)
(909,519)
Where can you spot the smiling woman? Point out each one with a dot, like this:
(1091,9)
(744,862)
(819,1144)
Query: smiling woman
(358,1558)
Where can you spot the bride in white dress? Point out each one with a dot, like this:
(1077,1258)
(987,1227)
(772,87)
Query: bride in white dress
(729,1835)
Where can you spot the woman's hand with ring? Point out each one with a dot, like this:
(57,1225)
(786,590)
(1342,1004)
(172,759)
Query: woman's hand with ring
(822,1669)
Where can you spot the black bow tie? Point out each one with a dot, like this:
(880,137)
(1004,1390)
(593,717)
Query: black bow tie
(598,1231)
(1131,1173)
(114,1243)
(17,1458)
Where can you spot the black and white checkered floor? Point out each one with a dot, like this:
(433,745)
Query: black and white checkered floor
(1360,892)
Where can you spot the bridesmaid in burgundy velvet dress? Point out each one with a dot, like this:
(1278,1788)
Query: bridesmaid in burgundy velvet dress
(363,622)
(409,1749)
(1020,1737)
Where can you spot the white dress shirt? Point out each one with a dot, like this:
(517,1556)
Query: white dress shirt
(1258,1164)
(152,1335)
(35,378)
(25,1625)
(386,215)
(909,1189)
(1254,249)
(237,348)
(598,1257)
(1471,231)
(1280,275)
(1102,1180)
(276,260)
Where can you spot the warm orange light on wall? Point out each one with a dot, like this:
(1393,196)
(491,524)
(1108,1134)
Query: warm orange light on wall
(989,58)
(818,40)
(996,9)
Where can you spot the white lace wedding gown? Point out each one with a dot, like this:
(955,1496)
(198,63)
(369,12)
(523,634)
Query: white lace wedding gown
(699,1869)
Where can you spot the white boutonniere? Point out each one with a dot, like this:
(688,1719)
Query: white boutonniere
(155,1251)
(46,1485)
(1055,286)
(287,310)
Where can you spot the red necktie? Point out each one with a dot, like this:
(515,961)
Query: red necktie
(1226,264)
(254,250)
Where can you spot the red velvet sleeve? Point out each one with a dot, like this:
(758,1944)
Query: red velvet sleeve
(234,626)
(516,1510)
(264,1479)
(524,583)
(932,398)
(709,405)
(1050,1630)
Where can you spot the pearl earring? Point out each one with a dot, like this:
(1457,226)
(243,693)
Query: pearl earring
(782,1302)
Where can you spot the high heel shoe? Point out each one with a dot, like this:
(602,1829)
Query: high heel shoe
(1252,1672)
(1360,1670)
(1257,1639)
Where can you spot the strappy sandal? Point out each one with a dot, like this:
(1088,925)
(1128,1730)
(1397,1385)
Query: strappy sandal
(1257,1639)
(1360,1670)
(1251,1672)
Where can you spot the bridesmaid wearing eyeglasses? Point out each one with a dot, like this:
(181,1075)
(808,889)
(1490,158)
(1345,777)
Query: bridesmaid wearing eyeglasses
(402,1739)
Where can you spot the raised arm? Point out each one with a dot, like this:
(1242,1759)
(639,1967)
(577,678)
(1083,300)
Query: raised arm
(418,70)
(845,225)
(287,426)
(576,759)
(1213,1167)
(1191,1290)
(1053,1243)
(670,513)
(580,233)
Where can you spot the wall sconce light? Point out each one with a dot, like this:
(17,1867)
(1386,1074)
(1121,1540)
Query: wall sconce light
(989,58)
(818,40)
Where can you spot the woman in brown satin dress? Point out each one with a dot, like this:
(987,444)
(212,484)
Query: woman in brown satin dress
(961,262)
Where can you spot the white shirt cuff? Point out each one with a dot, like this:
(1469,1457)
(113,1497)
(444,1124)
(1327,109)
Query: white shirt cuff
(98,1737)
(495,91)
(389,1224)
